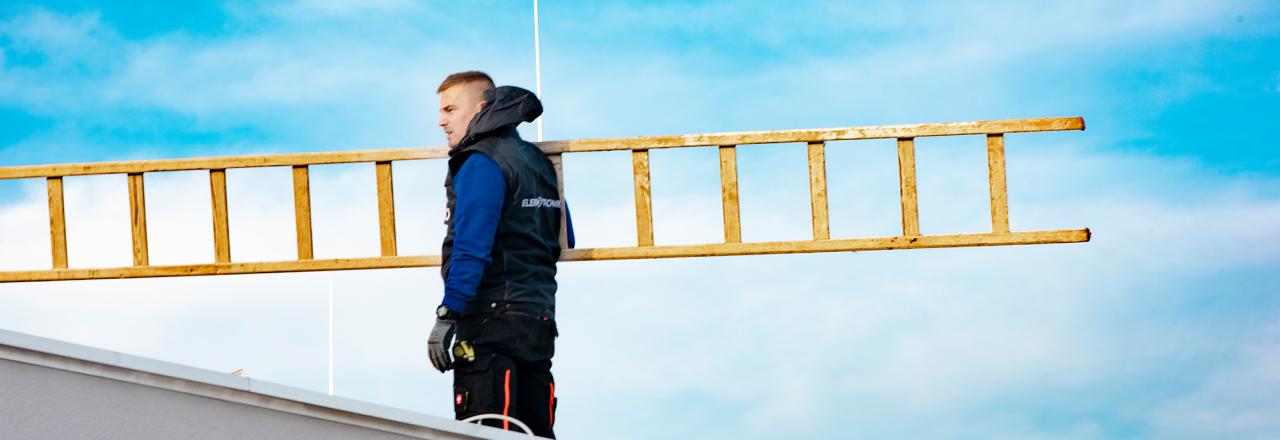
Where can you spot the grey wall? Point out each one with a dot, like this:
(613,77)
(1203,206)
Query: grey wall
(44,403)
(55,390)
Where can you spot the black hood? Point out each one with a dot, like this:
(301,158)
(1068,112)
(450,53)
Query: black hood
(505,108)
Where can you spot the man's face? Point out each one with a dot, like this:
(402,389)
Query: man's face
(458,104)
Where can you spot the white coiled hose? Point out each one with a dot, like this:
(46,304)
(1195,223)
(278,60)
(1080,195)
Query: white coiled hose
(478,418)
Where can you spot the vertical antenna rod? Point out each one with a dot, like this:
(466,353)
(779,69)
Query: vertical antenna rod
(330,335)
(537,63)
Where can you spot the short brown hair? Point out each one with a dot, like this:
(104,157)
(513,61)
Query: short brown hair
(469,76)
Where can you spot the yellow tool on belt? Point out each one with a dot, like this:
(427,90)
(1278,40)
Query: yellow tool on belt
(464,350)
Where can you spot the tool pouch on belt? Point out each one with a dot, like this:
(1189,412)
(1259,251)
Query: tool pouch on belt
(482,386)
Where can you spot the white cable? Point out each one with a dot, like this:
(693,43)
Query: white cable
(501,417)
(537,63)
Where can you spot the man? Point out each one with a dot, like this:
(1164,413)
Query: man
(499,256)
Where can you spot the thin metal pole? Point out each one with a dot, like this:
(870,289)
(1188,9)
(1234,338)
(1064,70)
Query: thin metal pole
(330,336)
(537,63)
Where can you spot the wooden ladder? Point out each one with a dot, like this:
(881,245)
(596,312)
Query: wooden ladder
(816,139)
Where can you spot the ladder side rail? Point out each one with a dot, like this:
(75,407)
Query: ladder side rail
(552,147)
(816,135)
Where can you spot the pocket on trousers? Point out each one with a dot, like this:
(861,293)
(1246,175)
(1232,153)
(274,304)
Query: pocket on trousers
(474,387)
(553,333)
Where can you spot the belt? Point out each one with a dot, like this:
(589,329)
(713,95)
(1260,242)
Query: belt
(518,308)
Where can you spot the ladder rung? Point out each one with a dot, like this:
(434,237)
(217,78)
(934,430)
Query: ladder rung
(907,186)
(138,218)
(302,211)
(999,193)
(57,223)
(644,203)
(729,193)
(221,230)
(386,209)
(818,190)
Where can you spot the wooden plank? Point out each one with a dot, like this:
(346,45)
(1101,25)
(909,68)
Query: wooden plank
(302,211)
(907,186)
(57,223)
(564,146)
(999,193)
(680,251)
(644,203)
(138,218)
(818,190)
(223,269)
(221,228)
(837,245)
(386,209)
(557,162)
(816,135)
(729,193)
(225,162)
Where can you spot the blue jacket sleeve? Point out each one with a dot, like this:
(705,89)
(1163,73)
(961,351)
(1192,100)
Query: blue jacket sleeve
(568,220)
(480,190)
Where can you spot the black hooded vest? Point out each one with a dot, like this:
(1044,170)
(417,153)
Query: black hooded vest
(527,244)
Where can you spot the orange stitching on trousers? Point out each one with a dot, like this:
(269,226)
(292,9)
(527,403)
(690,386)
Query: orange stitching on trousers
(506,404)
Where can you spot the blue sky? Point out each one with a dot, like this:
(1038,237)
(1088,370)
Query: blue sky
(1165,325)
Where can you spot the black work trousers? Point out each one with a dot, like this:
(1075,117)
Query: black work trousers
(511,374)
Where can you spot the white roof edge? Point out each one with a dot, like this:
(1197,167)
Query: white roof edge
(225,386)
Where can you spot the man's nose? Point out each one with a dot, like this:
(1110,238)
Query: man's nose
(442,121)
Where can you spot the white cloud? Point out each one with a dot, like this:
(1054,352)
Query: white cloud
(54,34)
(1236,400)
(310,10)
(347,6)
(974,340)
(299,86)
(374,90)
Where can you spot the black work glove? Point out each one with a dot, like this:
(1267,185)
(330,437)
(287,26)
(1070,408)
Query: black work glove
(438,344)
